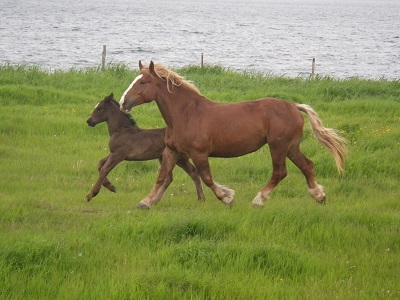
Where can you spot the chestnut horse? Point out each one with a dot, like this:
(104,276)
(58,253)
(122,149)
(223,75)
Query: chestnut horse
(131,143)
(200,128)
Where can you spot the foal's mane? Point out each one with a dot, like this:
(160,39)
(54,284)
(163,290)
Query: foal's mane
(128,116)
(173,79)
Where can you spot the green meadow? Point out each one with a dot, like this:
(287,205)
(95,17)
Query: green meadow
(53,245)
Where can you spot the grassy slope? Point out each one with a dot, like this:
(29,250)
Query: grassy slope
(53,245)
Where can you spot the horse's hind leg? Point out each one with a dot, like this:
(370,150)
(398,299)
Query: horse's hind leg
(279,172)
(222,192)
(106,183)
(307,167)
(194,174)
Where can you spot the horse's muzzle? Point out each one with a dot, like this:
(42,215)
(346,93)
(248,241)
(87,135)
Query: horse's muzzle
(123,108)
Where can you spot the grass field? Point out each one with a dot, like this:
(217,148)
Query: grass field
(53,245)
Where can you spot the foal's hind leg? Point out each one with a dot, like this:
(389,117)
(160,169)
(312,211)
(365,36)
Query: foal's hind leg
(194,174)
(222,192)
(307,167)
(278,173)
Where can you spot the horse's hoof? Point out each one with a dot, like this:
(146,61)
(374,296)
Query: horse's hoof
(322,201)
(318,194)
(142,206)
(87,199)
(113,189)
(229,201)
(257,205)
(258,201)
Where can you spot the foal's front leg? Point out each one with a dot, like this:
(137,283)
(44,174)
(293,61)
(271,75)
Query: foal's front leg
(222,192)
(164,179)
(106,183)
(111,162)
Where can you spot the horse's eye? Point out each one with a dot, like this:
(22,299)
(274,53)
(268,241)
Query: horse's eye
(142,82)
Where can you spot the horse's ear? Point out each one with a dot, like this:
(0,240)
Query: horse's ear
(140,65)
(151,69)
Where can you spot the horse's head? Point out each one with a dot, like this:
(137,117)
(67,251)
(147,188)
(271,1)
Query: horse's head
(100,112)
(141,90)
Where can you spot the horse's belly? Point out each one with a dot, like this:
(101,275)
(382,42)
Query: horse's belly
(235,148)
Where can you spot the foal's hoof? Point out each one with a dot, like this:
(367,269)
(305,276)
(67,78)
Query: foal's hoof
(142,206)
(87,199)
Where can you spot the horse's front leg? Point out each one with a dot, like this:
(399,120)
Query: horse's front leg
(222,192)
(164,179)
(111,162)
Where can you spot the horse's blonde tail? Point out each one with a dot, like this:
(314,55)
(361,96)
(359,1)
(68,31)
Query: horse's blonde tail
(327,137)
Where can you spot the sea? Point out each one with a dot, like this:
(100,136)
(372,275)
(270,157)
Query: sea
(347,38)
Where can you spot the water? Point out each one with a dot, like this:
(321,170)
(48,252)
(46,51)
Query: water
(347,38)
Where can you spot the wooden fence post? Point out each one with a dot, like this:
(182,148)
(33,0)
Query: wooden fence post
(202,60)
(103,58)
(313,67)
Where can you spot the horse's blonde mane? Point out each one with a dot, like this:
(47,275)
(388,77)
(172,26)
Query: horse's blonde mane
(173,79)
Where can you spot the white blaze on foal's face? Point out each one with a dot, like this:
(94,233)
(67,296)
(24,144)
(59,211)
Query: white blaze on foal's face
(121,102)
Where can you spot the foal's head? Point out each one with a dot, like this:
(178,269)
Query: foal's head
(105,110)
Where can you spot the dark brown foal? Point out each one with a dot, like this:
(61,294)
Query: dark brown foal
(131,143)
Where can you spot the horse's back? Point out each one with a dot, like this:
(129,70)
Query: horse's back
(240,128)
(260,115)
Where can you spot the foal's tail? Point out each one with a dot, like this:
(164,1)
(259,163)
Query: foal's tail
(327,137)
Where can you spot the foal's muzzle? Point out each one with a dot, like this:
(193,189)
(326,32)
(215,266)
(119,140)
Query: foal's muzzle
(91,122)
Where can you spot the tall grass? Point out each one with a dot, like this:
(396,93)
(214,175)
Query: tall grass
(55,246)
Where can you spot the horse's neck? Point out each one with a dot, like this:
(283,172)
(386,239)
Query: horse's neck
(165,111)
(172,105)
(117,122)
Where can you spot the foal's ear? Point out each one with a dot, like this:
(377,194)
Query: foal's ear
(151,69)
(110,97)
(140,65)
